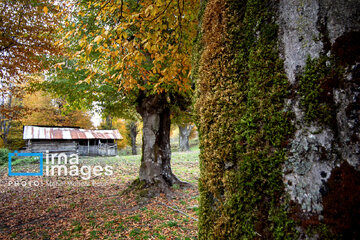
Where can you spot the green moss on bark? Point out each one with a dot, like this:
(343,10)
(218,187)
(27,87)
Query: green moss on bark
(320,77)
(243,124)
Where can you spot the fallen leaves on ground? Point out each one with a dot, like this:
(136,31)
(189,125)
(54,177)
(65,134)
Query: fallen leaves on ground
(98,208)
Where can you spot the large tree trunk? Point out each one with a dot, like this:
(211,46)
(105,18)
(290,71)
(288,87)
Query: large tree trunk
(155,166)
(133,133)
(278,119)
(184,134)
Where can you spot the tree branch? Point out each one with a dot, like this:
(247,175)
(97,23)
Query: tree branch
(176,210)
(107,2)
(6,47)
(166,7)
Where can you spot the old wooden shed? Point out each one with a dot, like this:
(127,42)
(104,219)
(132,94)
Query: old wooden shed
(71,140)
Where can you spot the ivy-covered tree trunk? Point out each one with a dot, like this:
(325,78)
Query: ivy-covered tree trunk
(278,119)
(184,134)
(155,169)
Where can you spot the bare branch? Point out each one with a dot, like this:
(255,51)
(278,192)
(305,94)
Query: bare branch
(176,210)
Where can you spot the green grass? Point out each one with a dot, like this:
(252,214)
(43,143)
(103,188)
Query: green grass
(177,158)
(24,161)
(105,212)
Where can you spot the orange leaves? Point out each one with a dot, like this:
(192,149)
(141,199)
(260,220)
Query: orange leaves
(45,110)
(29,42)
(89,77)
(98,39)
(59,65)
(46,10)
(148,10)
(143,45)
(83,41)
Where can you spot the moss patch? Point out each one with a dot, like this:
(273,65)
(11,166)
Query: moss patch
(316,86)
(244,127)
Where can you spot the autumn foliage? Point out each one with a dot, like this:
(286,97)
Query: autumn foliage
(49,111)
(137,45)
(139,52)
(26,47)
(26,39)
(40,108)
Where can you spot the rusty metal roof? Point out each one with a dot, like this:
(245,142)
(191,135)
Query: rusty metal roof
(36,132)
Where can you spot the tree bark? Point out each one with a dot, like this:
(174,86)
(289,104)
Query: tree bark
(109,122)
(155,166)
(5,122)
(279,127)
(184,134)
(133,133)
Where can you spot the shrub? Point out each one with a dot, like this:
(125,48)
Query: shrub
(4,155)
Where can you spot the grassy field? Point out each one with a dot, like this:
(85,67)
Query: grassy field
(72,208)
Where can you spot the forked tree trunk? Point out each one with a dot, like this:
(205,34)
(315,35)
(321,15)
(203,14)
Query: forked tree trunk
(184,134)
(155,166)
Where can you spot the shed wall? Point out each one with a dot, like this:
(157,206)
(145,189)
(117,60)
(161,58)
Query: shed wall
(68,147)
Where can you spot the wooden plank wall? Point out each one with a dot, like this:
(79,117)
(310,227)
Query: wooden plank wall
(71,147)
(68,147)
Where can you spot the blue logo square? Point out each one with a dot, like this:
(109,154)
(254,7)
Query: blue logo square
(16,153)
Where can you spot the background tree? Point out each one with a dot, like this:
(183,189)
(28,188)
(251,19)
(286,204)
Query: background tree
(27,36)
(10,111)
(132,127)
(107,123)
(49,111)
(184,120)
(128,130)
(41,108)
(138,51)
(120,124)
(184,136)
(27,29)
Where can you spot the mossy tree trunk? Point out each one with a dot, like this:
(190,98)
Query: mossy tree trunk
(278,119)
(242,124)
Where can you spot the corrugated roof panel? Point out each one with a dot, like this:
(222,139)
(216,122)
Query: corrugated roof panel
(57,134)
(47,133)
(27,134)
(35,132)
(66,134)
(89,135)
(100,135)
(81,135)
(74,134)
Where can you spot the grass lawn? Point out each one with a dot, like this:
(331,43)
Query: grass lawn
(72,208)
